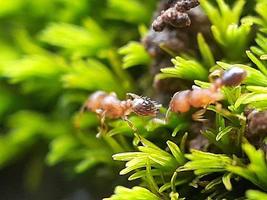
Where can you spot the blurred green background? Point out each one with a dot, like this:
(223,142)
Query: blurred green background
(53,53)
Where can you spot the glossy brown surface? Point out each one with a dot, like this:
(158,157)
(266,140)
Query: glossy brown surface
(197,98)
(233,76)
(180,102)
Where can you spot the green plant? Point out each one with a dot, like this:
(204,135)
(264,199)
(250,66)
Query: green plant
(50,63)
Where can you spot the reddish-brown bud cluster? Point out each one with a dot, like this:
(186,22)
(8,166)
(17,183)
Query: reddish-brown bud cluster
(175,15)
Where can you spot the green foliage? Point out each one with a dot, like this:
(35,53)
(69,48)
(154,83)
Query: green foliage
(205,51)
(83,76)
(256,195)
(152,162)
(152,154)
(186,67)
(226,29)
(255,171)
(49,63)
(134,54)
(79,41)
(132,11)
(21,138)
(206,163)
(201,163)
(136,193)
(228,134)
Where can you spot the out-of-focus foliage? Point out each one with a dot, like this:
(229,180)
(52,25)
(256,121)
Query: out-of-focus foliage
(135,54)
(56,52)
(137,193)
(256,195)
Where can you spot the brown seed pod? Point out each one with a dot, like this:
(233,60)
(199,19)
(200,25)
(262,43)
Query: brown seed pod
(257,123)
(175,15)
(175,18)
(185,5)
(158,24)
(256,130)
